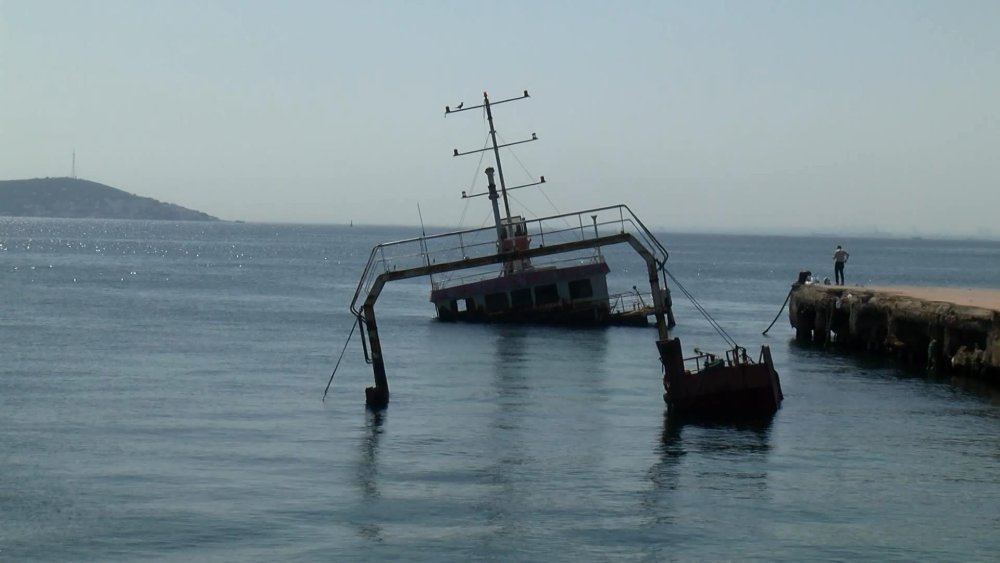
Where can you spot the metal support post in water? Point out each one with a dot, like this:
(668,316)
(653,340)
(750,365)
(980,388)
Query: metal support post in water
(376,397)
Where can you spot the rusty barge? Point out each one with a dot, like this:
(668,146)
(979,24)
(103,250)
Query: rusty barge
(709,386)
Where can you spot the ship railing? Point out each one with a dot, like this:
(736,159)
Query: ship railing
(457,246)
(738,355)
(734,356)
(702,360)
(630,301)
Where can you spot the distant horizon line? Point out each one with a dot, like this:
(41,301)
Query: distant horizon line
(750,231)
(791,232)
(439,229)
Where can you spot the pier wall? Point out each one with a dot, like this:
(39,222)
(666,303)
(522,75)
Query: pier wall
(942,330)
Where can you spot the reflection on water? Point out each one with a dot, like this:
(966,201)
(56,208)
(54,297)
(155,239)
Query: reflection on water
(509,368)
(535,402)
(703,455)
(368,467)
(510,344)
(986,389)
(870,366)
(505,434)
(525,357)
(713,435)
(368,472)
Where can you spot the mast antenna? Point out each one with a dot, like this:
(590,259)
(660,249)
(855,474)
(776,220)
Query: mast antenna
(73,168)
(487,105)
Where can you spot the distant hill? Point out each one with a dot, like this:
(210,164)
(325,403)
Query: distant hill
(74,198)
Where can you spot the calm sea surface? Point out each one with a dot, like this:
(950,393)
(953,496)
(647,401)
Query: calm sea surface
(160,391)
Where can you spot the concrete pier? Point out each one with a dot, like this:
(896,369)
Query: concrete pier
(944,330)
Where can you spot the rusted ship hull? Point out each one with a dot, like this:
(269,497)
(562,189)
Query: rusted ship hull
(736,387)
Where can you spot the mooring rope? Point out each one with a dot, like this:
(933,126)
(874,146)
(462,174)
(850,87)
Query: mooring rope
(711,321)
(779,312)
(354,325)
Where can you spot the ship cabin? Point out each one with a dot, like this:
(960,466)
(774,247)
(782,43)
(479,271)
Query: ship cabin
(557,293)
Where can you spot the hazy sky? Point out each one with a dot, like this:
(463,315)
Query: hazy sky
(710,116)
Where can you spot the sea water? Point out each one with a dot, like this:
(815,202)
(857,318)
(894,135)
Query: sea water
(161,385)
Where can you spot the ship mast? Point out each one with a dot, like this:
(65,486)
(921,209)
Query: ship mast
(496,152)
(487,105)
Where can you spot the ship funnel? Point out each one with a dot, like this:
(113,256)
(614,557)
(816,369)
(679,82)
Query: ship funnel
(492,186)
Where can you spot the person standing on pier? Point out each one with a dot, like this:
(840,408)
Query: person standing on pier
(840,257)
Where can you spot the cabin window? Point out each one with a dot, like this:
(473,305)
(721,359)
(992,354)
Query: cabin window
(546,294)
(496,302)
(580,289)
(463,305)
(520,299)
